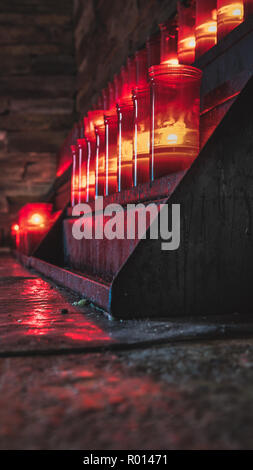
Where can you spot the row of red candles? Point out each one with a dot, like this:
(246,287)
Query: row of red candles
(146,122)
(115,147)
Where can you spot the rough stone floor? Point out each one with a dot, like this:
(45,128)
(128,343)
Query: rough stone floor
(72,379)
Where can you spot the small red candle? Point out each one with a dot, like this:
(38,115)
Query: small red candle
(206,26)
(96,119)
(230,14)
(111,136)
(175,97)
(186,32)
(169,38)
(103,104)
(75,175)
(91,156)
(125,126)
(141,100)
(35,220)
(82,170)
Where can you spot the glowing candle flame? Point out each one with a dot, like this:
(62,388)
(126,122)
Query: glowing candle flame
(190,42)
(177,132)
(15,228)
(233,10)
(212,28)
(172,138)
(172,62)
(37,219)
(237,12)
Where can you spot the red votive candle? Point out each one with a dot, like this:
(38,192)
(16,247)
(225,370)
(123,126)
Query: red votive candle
(153,45)
(186,32)
(169,38)
(111,136)
(175,97)
(91,157)
(82,170)
(96,119)
(125,126)
(75,176)
(229,15)
(34,222)
(141,100)
(206,25)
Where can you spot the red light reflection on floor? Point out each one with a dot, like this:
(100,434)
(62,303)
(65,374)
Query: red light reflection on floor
(43,316)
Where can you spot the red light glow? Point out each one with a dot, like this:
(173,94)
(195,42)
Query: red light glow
(206,26)
(186,33)
(169,36)
(15,228)
(37,219)
(230,14)
(175,128)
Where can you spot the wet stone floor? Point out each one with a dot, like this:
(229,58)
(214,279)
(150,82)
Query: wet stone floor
(64,384)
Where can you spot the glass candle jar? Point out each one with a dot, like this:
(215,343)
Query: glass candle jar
(169,37)
(229,15)
(75,176)
(91,158)
(206,25)
(175,98)
(82,170)
(186,32)
(103,103)
(153,45)
(100,159)
(97,129)
(141,101)
(111,136)
(125,126)
(35,219)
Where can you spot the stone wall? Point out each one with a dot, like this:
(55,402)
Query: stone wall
(106,32)
(37,88)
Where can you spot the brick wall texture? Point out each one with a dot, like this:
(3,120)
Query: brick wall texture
(106,32)
(37,90)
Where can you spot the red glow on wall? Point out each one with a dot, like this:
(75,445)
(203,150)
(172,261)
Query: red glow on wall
(35,219)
